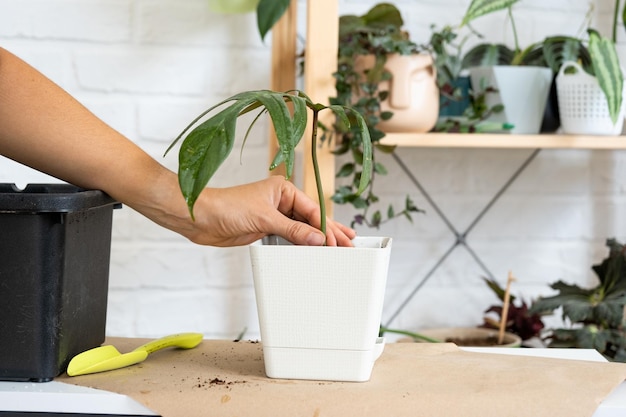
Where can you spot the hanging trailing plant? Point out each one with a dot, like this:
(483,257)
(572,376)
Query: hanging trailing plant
(379,33)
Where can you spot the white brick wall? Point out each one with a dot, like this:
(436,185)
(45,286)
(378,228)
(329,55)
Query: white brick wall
(148,66)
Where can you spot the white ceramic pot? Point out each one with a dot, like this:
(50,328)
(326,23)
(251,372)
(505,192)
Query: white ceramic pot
(413,92)
(320,308)
(523,90)
(582,104)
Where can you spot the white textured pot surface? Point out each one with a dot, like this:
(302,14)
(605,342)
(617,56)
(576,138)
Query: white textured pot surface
(523,90)
(582,104)
(320,308)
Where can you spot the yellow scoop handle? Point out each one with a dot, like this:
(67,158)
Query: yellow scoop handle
(180,340)
(106,358)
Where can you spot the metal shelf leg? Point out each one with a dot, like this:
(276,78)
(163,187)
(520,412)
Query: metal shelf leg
(460,237)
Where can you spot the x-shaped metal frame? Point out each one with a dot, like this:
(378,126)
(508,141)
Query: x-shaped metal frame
(460,236)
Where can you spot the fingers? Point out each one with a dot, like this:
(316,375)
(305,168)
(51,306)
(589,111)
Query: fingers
(297,232)
(338,234)
(243,214)
(298,205)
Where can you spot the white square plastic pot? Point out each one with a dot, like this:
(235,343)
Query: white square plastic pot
(320,308)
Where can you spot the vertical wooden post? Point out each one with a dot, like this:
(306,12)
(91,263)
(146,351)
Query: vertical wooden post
(320,64)
(283,71)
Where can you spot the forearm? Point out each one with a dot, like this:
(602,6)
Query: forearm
(45,128)
(42,126)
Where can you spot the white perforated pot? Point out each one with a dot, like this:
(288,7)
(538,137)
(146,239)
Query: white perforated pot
(582,104)
(320,308)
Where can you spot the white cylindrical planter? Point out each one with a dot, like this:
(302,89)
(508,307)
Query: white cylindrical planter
(523,90)
(582,104)
(320,308)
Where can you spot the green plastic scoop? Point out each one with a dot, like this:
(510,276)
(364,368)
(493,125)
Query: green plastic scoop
(106,358)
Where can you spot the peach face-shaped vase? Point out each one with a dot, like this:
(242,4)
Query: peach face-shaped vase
(413,93)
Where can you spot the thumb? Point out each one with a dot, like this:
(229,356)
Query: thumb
(299,233)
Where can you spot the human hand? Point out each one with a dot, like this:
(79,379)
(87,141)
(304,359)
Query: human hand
(243,214)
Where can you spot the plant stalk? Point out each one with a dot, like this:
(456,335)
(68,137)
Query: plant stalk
(414,336)
(514,29)
(316,170)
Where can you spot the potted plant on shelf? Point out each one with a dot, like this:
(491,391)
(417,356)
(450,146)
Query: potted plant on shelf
(553,52)
(319,307)
(510,73)
(461,108)
(591,97)
(594,316)
(375,61)
(454,85)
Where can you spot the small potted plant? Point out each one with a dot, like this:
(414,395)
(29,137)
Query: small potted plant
(319,307)
(520,85)
(519,320)
(453,82)
(521,328)
(594,316)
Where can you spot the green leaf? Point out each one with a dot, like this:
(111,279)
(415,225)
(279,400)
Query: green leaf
(346,170)
(366,174)
(560,49)
(204,150)
(268,12)
(607,70)
(380,169)
(479,8)
(487,55)
(283,127)
(359,203)
(568,295)
(206,147)
(377,218)
(390,212)
(384,14)
(388,149)
(386,115)
(624,16)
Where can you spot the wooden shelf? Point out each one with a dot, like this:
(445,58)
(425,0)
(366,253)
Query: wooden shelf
(321,47)
(504,141)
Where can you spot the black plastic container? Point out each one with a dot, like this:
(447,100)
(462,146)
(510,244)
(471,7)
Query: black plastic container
(55,247)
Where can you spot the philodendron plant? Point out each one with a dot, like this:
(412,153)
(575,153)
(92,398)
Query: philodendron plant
(208,143)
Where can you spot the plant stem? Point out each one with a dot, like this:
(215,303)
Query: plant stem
(514,29)
(615,12)
(415,336)
(316,170)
